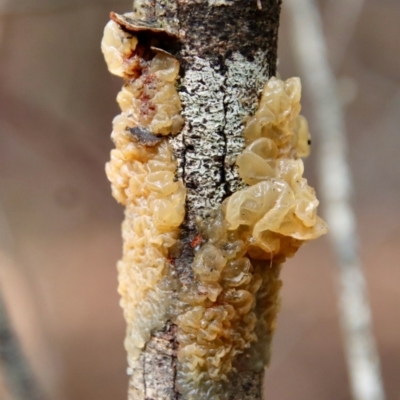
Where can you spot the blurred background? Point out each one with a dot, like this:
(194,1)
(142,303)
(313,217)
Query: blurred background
(60,227)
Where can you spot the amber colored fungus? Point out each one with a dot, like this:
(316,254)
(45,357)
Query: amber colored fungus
(142,175)
(230,311)
(226,318)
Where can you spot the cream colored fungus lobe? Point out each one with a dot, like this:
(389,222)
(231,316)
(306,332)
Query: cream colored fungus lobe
(142,175)
(227,316)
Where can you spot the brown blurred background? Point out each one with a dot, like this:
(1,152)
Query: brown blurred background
(60,227)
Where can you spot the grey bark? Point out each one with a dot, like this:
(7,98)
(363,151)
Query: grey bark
(227,50)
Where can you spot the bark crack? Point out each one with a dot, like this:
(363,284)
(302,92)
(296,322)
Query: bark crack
(224,180)
(144,377)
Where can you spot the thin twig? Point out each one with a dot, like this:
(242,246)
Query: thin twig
(336,184)
(18,376)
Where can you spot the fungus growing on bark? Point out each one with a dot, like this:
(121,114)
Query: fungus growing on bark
(225,312)
(233,301)
(142,175)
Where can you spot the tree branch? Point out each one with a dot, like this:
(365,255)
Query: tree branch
(226,51)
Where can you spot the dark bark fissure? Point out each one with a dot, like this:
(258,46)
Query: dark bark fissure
(224,181)
(214,34)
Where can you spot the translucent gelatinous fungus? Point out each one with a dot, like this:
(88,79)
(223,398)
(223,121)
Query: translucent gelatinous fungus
(227,315)
(141,171)
(231,308)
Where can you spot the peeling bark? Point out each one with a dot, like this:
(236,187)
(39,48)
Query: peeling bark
(227,50)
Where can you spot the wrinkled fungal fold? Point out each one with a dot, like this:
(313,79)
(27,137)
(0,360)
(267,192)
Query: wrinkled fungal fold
(142,175)
(227,315)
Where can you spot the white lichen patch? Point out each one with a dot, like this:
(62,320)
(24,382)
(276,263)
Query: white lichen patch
(139,8)
(234,300)
(202,143)
(244,81)
(219,3)
(142,175)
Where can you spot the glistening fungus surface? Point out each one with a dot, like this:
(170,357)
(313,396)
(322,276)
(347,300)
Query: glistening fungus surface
(226,315)
(142,176)
(230,310)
